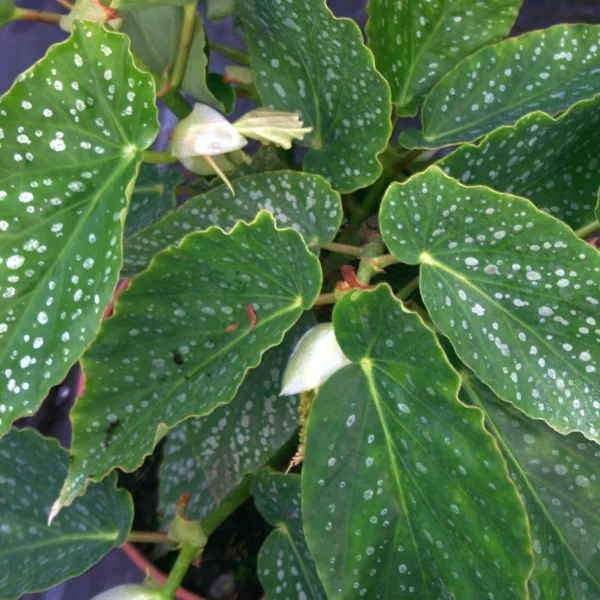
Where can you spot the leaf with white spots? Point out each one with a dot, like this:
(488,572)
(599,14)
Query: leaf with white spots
(306,60)
(7,8)
(233,440)
(155,33)
(301,201)
(552,162)
(285,567)
(416,42)
(182,339)
(404,493)
(558,477)
(513,288)
(152,198)
(33,556)
(72,129)
(546,70)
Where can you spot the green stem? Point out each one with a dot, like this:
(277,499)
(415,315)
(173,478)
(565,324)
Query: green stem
(239,56)
(368,268)
(177,104)
(408,289)
(387,260)
(587,229)
(185,43)
(187,554)
(148,537)
(41,16)
(158,158)
(370,201)
(355,251)
(328,298)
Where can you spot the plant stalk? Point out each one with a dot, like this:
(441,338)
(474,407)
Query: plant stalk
(158,158)
(387,260)
(239,56)
(40,16)
(355,251)
(323,299)
(406,292)
(587,229)
(187,554)
(368,268)
(185,43)
(148,537)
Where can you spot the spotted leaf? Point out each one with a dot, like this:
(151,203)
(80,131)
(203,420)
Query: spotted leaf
(285,567)
(404,492)
(558,479)
(155,33)
(553,162)
(299,200)
(415,43)
(513,288)
(35,557)
(213,455)
(182,339)
(72,128)
(152,198)
(546,70)
(306,60)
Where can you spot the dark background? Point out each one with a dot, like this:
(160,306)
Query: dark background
(21,44)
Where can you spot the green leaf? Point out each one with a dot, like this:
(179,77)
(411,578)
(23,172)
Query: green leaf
(285,567)
(416,43)
(7,9)
(558,480)
(35,557)
(219,9)
(546,70)
(513,288)
(72,129)
(155,33)
(404,492)
(129,5)
(306,60)
(299,200)
(173,349)
(152,198)
(233,440)
(552,162)
(222,91)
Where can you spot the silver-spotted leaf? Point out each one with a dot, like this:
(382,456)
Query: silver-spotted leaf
(182,339)
(35,557)
(306,60)
(404,492)
(552,162)
(285,567)
(210,456)
(546,70)
(152,198)
(415,43)
(72,129)
(559,480)
(302,201)
(513,288)
(155,33)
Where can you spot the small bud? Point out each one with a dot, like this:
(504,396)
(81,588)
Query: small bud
(316,357)
(90,10)
(205,132)
(238,75)
(182,530)
(130,592)
(272,126)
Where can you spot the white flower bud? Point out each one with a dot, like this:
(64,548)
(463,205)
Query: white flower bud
(130,592)
(316,357)
(272,126)
(228,163)
(205,132)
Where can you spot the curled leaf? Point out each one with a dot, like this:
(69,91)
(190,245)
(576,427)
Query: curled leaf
(272,126)
(316,357)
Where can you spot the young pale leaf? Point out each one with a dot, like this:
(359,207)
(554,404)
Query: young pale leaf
(35,557)
(138,5)
(416,43)
(553,162)
(152,198)
(285,567)
(395,500)
(513,288)
(182,339)
(558,479)
(309,61)
(299,200)
(155,33)
(130,592)
(73,129)
(546,70)
(219,9)
(218,451)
